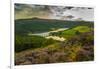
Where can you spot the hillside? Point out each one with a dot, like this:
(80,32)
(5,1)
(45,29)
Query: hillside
(73,31)
(77,48)
(36,25)
(38,50)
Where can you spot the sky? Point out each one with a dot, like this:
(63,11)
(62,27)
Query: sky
(54,12)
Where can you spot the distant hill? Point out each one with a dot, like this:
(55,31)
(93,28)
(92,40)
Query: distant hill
(36,25)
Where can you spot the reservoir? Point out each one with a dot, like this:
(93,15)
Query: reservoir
(47,36)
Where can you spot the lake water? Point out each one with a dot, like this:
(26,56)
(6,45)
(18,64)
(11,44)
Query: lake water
(46,34)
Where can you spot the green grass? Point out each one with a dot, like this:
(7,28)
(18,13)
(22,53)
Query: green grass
(82,29)
(31,42)
(73,31)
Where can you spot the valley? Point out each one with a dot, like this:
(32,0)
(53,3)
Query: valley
(39,41)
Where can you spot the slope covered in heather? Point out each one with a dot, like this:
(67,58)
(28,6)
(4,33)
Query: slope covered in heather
(38,50)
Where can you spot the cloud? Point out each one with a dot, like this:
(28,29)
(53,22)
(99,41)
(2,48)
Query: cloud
(55,12)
